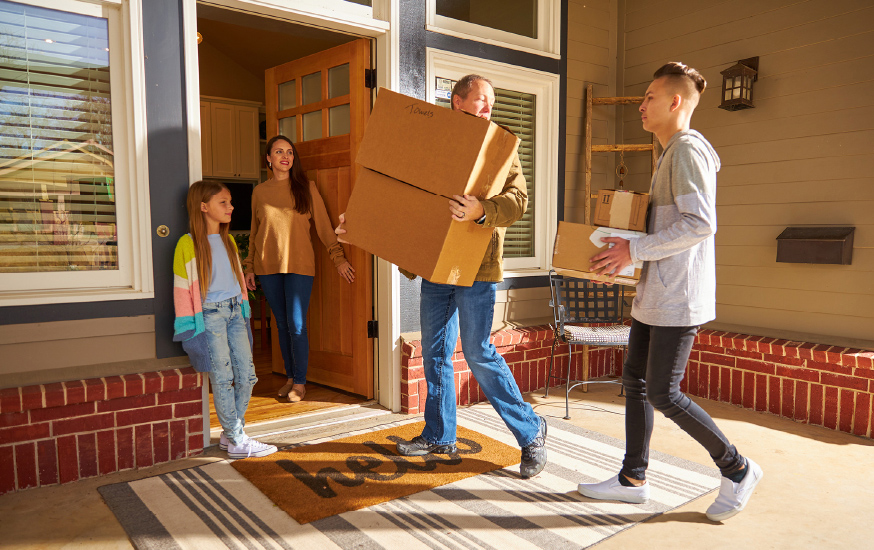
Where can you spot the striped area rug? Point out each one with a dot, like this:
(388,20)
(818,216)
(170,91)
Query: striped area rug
(213,506)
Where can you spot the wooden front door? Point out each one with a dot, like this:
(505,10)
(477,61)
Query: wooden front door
(321,103)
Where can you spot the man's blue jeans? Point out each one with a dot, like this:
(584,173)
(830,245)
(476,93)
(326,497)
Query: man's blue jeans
(444,309)
(289,297)
(232,372)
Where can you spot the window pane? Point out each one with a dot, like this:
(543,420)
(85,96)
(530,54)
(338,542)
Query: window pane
(516,111)
(338,120)
(287,95)
(311,88)
(312,125)
(515,16)
(338,81)
(57,185)
(362,2)
(288,127)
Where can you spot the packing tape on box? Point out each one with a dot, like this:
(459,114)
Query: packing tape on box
(620,212)
(454,276)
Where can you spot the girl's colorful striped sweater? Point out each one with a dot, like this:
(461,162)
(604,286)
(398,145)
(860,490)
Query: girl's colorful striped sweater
(188,327)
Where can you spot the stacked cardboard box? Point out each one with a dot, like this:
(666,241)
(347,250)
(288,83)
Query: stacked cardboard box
(617,214)
(413,158)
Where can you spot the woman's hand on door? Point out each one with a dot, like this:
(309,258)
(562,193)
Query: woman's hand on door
(346,271)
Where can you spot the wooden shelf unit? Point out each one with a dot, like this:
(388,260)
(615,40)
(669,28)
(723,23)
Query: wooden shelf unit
(590,102)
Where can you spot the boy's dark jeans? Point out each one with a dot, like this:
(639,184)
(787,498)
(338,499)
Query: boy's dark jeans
(654,367)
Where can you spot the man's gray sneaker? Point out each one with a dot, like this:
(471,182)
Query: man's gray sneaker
(534,454)
(419,447)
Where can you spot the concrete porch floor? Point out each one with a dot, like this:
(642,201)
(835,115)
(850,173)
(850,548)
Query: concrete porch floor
(815,493)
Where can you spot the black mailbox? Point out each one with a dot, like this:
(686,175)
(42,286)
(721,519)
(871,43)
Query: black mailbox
(816,245)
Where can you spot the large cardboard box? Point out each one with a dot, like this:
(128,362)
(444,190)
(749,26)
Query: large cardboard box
(621,209)
(414,230)
(414,157)
(436,149)
(575,243)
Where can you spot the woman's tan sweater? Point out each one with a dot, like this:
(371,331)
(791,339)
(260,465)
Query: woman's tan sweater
(280,238)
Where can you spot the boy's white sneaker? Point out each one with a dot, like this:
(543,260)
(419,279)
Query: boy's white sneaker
(613,490)
(249,447)
(733,497)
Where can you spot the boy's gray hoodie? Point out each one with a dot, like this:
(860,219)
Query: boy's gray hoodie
(678,283)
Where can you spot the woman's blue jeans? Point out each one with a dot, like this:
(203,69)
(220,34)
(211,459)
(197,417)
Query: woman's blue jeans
(444,310)
(232,372)
(289,297)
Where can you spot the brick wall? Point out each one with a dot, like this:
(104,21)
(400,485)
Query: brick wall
(828,386)
(526,351)
(58,433)
(811,383)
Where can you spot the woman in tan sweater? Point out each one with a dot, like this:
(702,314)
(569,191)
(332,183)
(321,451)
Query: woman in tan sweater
(281,254)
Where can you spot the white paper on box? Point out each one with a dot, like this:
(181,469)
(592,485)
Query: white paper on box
(602,232)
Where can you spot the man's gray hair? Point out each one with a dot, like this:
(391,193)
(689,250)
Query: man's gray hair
(465,83)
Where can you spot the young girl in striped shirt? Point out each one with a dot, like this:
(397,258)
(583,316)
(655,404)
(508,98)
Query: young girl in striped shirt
(212,313)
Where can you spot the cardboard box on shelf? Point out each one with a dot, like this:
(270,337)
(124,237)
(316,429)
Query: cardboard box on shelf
(575,243)
(621,209)
(414,157)
(436,149)
(414,230)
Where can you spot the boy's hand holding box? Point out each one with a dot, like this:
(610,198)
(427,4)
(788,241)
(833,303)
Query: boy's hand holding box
(617,214)
(414,157)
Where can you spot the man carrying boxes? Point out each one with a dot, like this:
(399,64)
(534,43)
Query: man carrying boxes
(458,253)
(676,294)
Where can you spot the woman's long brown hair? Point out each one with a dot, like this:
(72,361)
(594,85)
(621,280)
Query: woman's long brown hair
(200,192)
(297,179)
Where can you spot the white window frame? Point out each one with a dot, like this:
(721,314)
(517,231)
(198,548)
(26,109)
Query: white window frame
(547,43)
(545,86)
(133,279)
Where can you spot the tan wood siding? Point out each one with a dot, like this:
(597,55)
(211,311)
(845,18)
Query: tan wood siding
(29,349)
(803,156)
(591,58)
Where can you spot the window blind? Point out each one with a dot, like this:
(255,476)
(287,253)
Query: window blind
(516,111)
(57,184)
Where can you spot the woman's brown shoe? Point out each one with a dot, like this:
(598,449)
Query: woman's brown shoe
(297,393)
(283,391)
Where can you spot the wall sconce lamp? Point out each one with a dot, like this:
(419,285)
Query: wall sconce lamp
(737,84)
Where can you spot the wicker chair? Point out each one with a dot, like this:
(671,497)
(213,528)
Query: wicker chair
(580,301)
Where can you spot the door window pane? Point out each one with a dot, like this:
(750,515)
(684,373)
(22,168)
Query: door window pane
(288,127)
(287,95)
(338,81)
(516,111)
(311,88)
(515,16)
(338,120)
(312,125)
(57,185)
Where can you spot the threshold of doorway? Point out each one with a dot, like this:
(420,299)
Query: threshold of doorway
(317,423)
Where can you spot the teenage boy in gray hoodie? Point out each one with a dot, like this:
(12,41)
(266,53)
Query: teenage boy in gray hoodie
(676,294)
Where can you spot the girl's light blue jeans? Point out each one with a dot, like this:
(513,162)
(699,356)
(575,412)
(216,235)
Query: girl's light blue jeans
(444,310)
(232,372)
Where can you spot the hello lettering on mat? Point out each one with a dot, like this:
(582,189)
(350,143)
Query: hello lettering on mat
(361,468)
(415,110)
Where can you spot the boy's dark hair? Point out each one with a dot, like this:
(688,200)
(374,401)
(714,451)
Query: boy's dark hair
(465,83)
(675,69)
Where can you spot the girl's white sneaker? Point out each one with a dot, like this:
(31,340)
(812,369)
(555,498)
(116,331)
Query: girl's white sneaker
(249,447)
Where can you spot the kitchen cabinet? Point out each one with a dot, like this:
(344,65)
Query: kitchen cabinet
(229,139)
